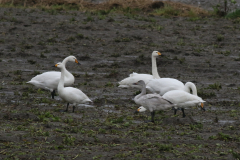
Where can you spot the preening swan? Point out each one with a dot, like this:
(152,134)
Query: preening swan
(163,85)
(70,94)
(135,77)
(183,99)
(49,80)
(151,102)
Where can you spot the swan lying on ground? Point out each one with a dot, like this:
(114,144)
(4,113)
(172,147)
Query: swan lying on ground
(70,94)
(135,77)
(49,80)
(151,102)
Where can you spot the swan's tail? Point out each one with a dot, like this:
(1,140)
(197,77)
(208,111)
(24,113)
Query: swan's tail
(88,101)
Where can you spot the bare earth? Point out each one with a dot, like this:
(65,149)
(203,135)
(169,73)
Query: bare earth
(109,48)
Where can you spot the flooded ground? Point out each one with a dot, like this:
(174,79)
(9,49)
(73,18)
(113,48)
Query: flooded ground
(109,48)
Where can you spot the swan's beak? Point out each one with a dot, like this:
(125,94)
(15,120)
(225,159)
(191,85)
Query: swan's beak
(76,61)
(159,53)
(55,65)
(202,107)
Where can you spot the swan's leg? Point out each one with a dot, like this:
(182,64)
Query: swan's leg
(66,108)
(152,117)
(175,111)
(73,108)
(152,114)
(183,112)
(53,94)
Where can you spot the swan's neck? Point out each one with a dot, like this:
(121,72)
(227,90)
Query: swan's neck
(190,85)
(65,61)
(154,68)
(61,82)
(67,73)
(142,93)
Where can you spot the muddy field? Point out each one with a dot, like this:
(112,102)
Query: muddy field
(109,47)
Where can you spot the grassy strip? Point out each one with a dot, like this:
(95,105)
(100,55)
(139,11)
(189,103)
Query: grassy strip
(233,15)
(133,6)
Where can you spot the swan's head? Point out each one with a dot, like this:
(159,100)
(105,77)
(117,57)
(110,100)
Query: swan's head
(202,106)
(73,59)
(156,53)
(140,83)
(59,65)
(141,109)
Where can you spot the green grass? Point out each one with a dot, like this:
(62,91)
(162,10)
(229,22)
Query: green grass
(167,11)
(233,15)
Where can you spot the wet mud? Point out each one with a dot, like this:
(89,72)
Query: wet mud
(109,48)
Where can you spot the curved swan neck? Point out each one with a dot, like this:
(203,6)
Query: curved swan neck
(154,68)
(61,82)
(65,60)
(143,92)
(190,85)
(67,73)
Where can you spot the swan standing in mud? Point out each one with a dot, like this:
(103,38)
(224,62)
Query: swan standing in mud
(183,100)
(70,94)
(164,85)
(135,77)
(151,102)
(49,80)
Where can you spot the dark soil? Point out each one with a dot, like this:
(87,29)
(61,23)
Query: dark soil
(109,48)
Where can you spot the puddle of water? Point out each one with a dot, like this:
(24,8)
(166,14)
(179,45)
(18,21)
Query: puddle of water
(110,106)
(222,122)
(110,111)
(105,61)
(85,105)
(130,56)
(15,101)
(7,92)
(216,108)
(225,121)
(90,73)
(137,122)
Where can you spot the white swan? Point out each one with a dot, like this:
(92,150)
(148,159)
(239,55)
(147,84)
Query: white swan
(183,99)
(151,102)
(163,85)
(70,94)
(135,77)
(49,80)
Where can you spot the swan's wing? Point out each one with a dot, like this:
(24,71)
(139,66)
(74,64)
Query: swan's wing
(46,76)
(154,102)
(49,80)
(73,95)
(46,80)
(163,85)
(134,78)
(180,97)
